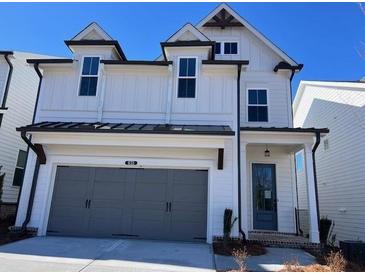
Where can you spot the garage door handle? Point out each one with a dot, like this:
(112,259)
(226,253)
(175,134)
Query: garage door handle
(89,204)
(86,203)
(167,207)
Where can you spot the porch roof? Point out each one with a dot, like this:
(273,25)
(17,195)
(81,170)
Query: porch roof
(286,129)
(98,127)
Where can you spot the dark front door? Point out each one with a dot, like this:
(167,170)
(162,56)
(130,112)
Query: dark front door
(264,197)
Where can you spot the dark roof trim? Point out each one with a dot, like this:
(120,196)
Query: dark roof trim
(188,44)
(80,127)
(139,62)
(287,66)
(6,52)
(226,62)
(50,61)
(286,129)
(98,43)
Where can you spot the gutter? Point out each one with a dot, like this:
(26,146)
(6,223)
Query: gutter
(316,144)
(240,230)
(10,73)
(41,158)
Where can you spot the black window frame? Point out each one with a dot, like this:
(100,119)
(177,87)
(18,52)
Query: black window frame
(20,168)
(92,77)
(186,80)
(218,47)
(257,106)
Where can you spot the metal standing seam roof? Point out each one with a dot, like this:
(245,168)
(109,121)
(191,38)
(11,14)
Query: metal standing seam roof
(128,128)
(286,129)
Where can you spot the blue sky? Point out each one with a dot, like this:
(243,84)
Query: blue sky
(325,37)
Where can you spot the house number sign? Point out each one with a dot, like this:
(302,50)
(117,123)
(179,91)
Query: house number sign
(130,163)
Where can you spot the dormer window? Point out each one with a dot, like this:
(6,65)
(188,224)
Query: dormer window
(186,77)
(89,76)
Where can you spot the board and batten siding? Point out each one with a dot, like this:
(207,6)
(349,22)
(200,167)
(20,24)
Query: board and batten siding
(259,74)
(139,94)
(222,185)
(285,184)
(20,103)
(340,168)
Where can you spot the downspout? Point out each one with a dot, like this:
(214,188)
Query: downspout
(38,161)
(316,144)
(239,68)
(10,73)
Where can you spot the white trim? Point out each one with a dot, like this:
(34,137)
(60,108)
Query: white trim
(247,25)
(267,104)
(187,77)
(188,27)
(90,28)
(102,161)
(98,76)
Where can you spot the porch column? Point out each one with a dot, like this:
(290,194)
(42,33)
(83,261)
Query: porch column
(312,205)
(244,188)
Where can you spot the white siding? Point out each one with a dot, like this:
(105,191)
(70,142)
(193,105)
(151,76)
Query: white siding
(20,102)
(340,169)
(221,182)
(284,184)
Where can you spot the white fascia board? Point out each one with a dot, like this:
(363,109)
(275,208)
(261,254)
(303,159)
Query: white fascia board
(279,138)
(130,140)
(251,28)
(188,27)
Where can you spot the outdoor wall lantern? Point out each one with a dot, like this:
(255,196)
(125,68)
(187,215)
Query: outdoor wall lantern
(267,152)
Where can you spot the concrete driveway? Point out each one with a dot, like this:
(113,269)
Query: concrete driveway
(84,254)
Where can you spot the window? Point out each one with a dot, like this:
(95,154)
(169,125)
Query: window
(299,161)
(257,105)
(19,170)
(230,48)
(89,76)
(187,78)
(218,48)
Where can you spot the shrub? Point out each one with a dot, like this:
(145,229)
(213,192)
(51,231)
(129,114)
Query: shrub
(336,262)
(240,257)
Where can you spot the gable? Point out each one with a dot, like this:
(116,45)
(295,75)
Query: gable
(92,32)
(188,33)
(224,16)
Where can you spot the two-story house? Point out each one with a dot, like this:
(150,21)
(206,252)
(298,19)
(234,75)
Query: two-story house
(18,92)
(159,149)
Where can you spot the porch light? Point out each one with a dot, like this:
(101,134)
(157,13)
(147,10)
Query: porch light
(267,152)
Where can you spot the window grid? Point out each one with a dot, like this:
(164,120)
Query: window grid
(257,105)
(89,76)
(232,48)
(187,78)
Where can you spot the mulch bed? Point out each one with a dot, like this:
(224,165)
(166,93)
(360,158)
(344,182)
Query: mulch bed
(7,237)
(253,249)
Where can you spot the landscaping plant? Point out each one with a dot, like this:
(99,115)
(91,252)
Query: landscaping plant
(227,225)
(240,257)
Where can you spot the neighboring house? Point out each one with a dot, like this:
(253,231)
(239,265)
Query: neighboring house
(340,158)
(159,149)
(18,91)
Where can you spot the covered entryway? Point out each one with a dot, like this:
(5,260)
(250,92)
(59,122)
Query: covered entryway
(167,204)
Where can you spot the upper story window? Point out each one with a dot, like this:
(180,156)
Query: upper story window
(226,48)
(218,48)
(89,76)
(257,105)
(187,78)
(20,166)
(230,48)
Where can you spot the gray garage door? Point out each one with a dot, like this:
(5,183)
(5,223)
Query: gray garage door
(139,203)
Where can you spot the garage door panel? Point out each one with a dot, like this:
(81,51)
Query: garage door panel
(130,202)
